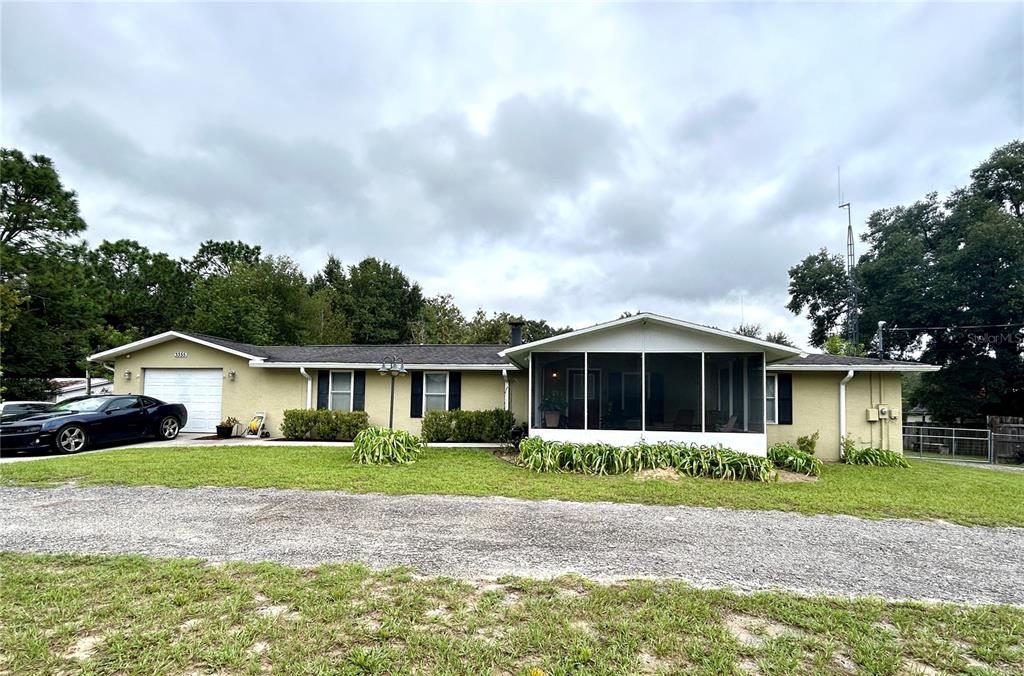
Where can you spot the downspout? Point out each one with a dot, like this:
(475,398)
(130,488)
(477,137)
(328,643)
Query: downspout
(309,387)
(504,377)
(842,410)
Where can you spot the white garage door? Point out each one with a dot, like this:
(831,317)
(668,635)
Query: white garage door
(198,389)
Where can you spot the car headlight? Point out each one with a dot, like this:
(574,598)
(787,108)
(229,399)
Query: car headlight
(30,429)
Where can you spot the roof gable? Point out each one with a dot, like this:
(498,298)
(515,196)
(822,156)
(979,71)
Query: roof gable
(251,352)
(653,333)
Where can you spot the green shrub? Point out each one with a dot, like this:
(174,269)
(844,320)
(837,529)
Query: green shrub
(383,446)
(715,462)
(787,456)
(490,426)
(436,426)
(807,443)
(879,457)
(323,425)
(849,445)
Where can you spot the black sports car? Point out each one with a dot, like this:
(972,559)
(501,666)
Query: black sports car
(75,424)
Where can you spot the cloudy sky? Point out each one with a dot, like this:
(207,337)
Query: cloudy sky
(567,162)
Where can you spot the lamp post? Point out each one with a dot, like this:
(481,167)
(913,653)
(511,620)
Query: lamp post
(392,367)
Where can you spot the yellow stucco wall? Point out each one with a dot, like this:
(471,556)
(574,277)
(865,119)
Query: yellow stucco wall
(276,389)
(816,408)
(270,390)
(480,390)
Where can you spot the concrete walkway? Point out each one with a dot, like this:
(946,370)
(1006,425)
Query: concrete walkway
(484,537)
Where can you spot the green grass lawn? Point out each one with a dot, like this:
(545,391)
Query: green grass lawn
(132,615)
(925,491)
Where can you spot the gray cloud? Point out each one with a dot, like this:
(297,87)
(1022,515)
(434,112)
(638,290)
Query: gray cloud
(569,162)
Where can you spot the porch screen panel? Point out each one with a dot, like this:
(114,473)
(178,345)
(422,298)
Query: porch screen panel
(614,391)
(673,392)
(557,390)
(734,392)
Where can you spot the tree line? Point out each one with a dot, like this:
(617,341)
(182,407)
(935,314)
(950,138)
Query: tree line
(61,300)
(947,277)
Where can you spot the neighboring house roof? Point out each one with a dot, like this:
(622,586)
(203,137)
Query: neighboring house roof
(65,385)
(834,362)
(773,350)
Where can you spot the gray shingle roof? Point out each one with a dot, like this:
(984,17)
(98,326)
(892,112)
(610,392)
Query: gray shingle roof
(467,355)
(840,360)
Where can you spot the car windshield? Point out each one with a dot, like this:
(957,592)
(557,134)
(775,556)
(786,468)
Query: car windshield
(93,404)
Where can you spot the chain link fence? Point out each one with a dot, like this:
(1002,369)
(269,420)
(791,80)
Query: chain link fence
(963,444)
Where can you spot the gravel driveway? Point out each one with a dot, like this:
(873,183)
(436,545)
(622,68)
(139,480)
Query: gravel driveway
(484,537)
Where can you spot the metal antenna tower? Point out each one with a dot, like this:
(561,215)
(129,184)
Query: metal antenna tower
(852,314)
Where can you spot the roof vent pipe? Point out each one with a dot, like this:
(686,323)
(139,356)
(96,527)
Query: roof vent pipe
(517,333)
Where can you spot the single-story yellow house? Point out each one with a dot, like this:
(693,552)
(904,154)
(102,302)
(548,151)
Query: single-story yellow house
(644,377)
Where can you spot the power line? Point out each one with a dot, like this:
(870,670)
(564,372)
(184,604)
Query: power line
(942,328)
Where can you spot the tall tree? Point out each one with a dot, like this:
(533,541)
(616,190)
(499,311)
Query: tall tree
(381,305)
(748,330)
(819,284)
(36,211)
(329,289)
(944,275)
(262,304)
(216,258)
(441,321)
(50,312)
(780,338)
(144,292)
(496,330)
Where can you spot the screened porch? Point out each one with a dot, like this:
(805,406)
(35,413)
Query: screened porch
(618,396)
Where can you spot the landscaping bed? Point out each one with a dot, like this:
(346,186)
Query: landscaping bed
(923,491)
(129,614)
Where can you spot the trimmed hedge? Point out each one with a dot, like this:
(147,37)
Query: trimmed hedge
(879,457)
(323,425)
(491,426)
(716,462)
(787,456)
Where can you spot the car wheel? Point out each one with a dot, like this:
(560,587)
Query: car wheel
(169,428)
(71,439)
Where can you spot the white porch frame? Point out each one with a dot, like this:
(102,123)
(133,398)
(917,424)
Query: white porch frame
(753,443)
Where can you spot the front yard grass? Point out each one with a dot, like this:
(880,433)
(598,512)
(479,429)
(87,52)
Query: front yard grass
(925,491)
(132,615)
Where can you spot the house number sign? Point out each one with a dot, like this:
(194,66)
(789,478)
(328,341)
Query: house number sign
(181,355)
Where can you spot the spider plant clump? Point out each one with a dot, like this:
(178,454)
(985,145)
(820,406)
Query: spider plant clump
(878,457)
(383,446)
(788,457)
(715,462)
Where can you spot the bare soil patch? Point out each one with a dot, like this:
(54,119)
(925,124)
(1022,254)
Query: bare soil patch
(664,474)
(785,476)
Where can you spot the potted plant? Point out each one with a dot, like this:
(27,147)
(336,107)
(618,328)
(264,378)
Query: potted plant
(553,406)
(226,428)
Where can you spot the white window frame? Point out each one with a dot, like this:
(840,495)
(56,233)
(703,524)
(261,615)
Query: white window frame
(447,389)
(772,404)
(351,390)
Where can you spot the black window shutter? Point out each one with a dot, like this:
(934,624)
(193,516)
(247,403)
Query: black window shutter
(784,385)
(323,389)
(416,402)
(454,390)
(359,391)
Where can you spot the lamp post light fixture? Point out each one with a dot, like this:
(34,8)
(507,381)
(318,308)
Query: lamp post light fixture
(393,366)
